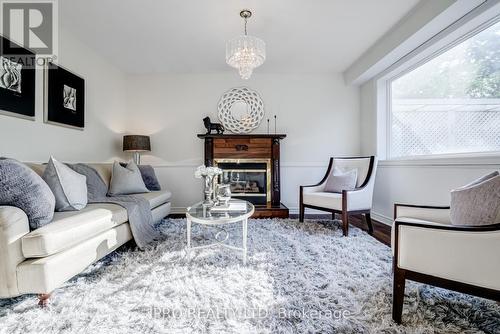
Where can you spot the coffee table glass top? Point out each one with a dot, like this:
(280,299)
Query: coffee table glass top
(199,213)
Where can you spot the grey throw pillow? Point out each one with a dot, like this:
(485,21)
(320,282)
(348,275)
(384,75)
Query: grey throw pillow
(148,176)
(68,186)
(126,180)
(23,188)
(477,203)
(340,180)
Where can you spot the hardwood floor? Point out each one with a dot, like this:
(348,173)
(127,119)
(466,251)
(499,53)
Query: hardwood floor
(381,231)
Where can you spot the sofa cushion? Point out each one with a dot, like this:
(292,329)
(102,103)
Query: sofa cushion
(68,186)
(48,273)
(21,187)
(71,228)
(156,198)
(324,200)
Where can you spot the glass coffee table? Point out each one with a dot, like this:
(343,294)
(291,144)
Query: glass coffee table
(240,212)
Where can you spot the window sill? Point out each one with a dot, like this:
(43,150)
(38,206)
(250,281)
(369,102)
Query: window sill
(477,159)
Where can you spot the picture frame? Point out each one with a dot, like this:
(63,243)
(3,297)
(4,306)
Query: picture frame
(64,97)
(17,80)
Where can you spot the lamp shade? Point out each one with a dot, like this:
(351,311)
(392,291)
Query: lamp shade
(135,143)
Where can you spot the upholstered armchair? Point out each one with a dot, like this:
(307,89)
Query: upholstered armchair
(428,249)
(348,202)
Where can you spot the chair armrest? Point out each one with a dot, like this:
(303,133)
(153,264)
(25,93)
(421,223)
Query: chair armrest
(438,214)
(13,226)
(458,253)
(359,198)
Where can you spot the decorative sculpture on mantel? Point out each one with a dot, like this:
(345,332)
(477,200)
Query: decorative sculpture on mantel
(213,126)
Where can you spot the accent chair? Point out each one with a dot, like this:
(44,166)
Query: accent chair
(349,202)
(428,249)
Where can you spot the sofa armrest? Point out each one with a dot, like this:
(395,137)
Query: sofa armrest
(13,226)
(438,214)
(458,253)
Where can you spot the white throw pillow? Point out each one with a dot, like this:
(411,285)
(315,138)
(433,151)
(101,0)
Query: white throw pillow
(477,203)
(126,180)
(68,186)
(340,180)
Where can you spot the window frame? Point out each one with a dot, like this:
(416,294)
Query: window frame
(385,83)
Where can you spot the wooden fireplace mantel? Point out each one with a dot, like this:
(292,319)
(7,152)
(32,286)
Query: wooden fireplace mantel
(251,146)
(273,136)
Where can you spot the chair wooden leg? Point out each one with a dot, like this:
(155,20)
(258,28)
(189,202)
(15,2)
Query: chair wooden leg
(43,299)
(334,215)
(398,294)
(368,218)
(301,213)
(345,223)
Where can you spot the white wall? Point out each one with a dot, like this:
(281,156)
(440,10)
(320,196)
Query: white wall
(415,182)
(105,107)
(319,114)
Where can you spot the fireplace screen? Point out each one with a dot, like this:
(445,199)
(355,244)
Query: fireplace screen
(249,179)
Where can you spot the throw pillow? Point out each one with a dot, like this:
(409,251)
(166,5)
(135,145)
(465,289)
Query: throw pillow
(148,176)
(340,180)
(96,187)
(126,180)
(68,186)
(477,203)
(21,187)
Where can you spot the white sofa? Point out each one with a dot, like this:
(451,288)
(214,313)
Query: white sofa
(40,261)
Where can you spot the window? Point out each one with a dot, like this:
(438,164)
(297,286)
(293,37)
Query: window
(450,104)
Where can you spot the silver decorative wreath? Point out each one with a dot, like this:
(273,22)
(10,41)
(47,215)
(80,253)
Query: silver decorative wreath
(254,114)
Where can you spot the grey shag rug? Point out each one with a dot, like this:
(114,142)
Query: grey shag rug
(300,278)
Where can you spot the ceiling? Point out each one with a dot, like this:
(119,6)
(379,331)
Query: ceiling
(188,36)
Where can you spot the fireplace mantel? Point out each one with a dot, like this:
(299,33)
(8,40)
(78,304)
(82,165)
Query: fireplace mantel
(250,147)
(273,136)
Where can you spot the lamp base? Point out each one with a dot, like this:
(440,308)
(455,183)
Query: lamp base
(137,158)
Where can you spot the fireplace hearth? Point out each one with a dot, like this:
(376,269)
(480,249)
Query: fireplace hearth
(251,165)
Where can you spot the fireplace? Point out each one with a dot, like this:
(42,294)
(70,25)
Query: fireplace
(251,165)
(249,179)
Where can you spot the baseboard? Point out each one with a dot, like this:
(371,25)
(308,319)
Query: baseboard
(382,219)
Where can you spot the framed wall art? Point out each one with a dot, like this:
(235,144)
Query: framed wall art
(64,97)
(17,80)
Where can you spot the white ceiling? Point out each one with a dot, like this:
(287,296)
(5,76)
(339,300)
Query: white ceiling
(188,36)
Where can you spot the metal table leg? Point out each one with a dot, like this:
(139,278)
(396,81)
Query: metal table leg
(188,248)
(245,226)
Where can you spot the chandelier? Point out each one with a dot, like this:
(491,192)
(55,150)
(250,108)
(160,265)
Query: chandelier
(245,52)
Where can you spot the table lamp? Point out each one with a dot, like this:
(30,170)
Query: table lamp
(136,144)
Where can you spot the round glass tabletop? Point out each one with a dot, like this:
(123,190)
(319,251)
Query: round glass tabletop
(236,211)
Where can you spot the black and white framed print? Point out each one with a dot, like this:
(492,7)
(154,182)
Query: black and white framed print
(17,80)
(64,97)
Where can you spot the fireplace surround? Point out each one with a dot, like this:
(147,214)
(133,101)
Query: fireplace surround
(251,165)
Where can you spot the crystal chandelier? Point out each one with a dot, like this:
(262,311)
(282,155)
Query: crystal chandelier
(245,52)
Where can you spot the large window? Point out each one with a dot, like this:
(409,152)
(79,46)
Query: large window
(450,104)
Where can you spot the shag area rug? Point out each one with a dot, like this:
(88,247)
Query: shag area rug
(300,278)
